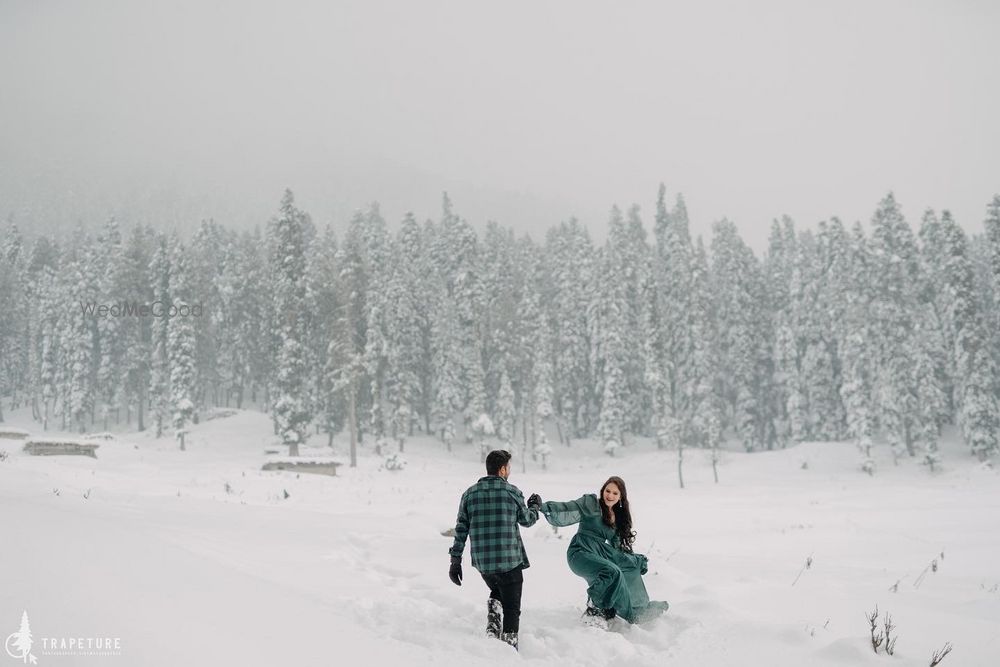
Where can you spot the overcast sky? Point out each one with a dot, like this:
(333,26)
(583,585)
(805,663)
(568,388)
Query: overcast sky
(526,112)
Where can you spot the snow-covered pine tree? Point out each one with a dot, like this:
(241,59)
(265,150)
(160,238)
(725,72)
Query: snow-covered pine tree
(225,329)
(50,302)
(896,273)
(456,253)
(80,347)
(856,393)
(524,337)
(701,403)
(610,322)
(506,411)
(39,270)
(571,256)
(407,329)
(254,298)
(781,355)
(542,380)
(498,320)
(132,285)
(344,371)
(326,305)
(699,421)
(13,299)
(791,342)
(654,354)
(474,382)
(111,341)
(737,300)
(291,410)
(992,243)
(827,306)
(673,279)
(207,257)
(637,270)
(377,259)
(928,375)
(818,413)
(482,427)
(448,375)
(428,292)
(181,343)
(933,300)
(159,377)
(974,365)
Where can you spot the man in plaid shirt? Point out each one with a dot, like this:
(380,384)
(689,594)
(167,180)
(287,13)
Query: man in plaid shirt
(489,513)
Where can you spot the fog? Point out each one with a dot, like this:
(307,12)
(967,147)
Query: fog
(527,113)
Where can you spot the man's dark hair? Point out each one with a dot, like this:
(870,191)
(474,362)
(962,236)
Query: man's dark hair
(497,459)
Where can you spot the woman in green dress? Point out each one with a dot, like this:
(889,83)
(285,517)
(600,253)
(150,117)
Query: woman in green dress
(601,552)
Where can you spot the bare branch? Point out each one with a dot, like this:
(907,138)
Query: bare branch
(809,562)
(939,655)
(890,642)
(873,622)
(932,566)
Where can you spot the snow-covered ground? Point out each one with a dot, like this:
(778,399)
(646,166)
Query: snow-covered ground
(352,569)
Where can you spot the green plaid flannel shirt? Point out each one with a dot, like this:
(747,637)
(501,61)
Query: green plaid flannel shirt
(489,514)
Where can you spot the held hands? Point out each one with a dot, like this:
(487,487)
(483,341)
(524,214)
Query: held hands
(534,501)
(455,571)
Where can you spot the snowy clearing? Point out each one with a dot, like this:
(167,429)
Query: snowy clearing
(199,558)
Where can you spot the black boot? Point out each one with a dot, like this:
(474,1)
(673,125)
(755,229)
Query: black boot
(594,615)
(494,618)
(509,638)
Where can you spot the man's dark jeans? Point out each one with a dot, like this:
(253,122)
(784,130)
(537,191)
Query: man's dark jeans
(506,587)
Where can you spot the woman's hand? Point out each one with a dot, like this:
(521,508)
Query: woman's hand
(534,501)
(643,563)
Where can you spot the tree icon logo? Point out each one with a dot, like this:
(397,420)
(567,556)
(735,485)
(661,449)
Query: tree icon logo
(20,642)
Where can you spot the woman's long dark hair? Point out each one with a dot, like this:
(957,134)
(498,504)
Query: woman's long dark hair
(623,516)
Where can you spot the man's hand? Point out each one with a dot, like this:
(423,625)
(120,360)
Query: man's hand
(534,501)
(455,572)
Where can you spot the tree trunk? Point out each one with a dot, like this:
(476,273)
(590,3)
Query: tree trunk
(139,415)
(559,431)
(680,463)
(352,421)
(524,433)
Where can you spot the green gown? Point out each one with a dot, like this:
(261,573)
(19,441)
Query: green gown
(614,577)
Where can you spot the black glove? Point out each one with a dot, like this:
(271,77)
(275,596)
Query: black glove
(534,501)
(455,572)
(643,564)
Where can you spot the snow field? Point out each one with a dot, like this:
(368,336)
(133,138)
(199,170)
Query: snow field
(353,568)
